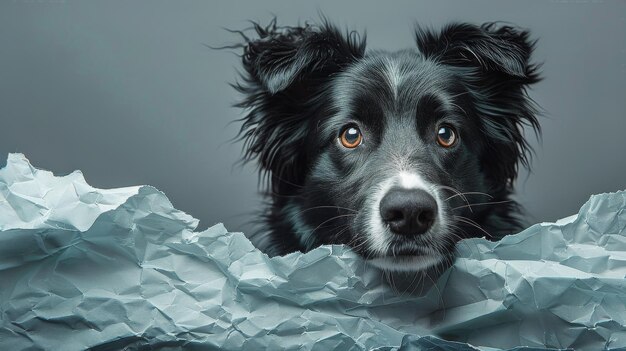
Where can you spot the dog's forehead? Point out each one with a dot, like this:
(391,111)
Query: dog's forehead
(393,80)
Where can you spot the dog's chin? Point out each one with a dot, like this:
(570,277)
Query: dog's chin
(406,263)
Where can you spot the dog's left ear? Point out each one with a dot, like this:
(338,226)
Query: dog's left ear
(505,49)
(494,65)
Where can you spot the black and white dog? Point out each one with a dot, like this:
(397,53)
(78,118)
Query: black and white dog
(396,154)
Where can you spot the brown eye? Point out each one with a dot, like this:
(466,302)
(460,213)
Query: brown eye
(351,137)
(446,135)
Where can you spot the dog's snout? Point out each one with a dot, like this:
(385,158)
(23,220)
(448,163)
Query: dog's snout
(408,211)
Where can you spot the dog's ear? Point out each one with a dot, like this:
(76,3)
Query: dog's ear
(493,62)
(283,56)
(287,71)
(503,49)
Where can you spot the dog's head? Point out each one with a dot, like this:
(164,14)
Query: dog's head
(397,155)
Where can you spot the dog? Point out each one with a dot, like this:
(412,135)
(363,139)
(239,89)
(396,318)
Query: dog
(398,155)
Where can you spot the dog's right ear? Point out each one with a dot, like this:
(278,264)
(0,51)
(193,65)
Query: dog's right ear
(282,56)
(286,74)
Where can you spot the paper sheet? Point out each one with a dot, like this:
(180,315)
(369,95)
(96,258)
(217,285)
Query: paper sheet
(83,268)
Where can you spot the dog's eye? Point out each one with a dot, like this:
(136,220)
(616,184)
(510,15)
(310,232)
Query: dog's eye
(446,135)
(351,137)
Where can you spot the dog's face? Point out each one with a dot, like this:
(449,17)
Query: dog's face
(387,152)
(398,141)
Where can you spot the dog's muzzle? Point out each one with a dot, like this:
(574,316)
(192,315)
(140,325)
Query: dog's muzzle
(405,216)
(408,212)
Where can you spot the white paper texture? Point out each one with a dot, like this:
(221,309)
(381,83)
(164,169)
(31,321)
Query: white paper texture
(115,269)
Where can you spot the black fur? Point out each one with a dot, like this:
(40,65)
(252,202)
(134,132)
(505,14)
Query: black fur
(302,85)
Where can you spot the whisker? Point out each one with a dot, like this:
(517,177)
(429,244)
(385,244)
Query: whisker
(458,193)
(330,219)
(406,289)
(419,283)
(468,219)
(322,207)
(469,193)
(342,230)
(357,246)
(460,238)
(443,304)
(473,224)
(482,204)
(459,107)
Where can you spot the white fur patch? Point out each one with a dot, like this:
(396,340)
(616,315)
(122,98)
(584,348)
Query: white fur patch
(412,181)
(376,230)
(409,264)
(393,76)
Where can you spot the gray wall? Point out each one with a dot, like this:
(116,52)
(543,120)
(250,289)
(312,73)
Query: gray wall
(128,93)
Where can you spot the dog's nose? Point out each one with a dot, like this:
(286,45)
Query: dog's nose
(408,211)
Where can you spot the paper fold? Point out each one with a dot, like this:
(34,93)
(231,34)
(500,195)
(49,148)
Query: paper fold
(82,267)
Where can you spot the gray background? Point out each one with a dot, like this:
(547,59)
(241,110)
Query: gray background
(128,92)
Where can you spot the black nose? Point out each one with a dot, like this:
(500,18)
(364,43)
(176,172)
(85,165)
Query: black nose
(408,211)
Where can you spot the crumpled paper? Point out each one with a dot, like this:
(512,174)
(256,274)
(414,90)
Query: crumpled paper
(86,268)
